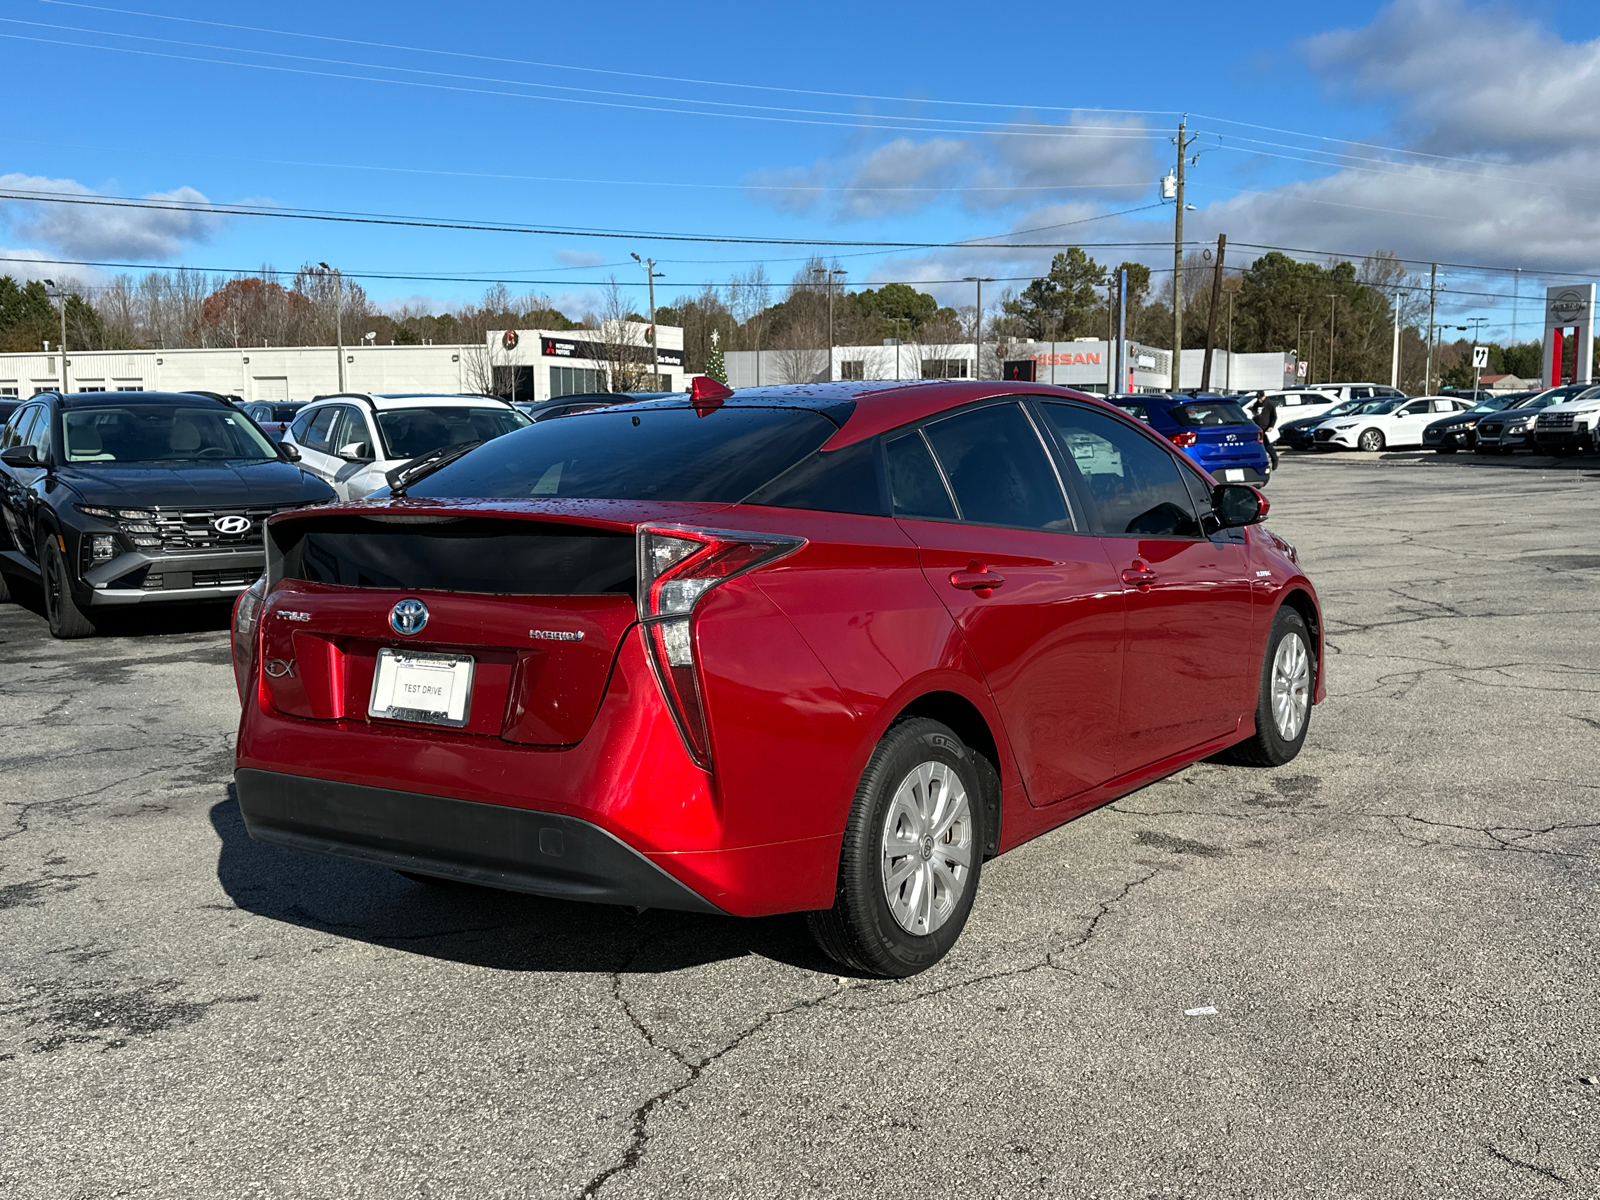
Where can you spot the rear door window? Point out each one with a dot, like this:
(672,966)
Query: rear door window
(998,469)
(915,485)
(1133,484)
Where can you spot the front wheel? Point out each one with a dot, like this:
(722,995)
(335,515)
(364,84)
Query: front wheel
(913,851)
(67,620)
(1283,703)
(1371,440)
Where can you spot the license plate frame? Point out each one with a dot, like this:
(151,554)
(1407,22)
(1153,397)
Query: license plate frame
(1233,475)
(399,672)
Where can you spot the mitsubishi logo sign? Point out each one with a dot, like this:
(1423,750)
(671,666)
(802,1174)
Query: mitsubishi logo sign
(231,525)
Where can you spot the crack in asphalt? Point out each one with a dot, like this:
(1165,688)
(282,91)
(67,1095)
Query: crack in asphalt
(1547,1172)
(1493,833)
(695,1068)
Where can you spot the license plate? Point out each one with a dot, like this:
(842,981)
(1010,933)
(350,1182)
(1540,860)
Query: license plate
(434,689)
(1233,476)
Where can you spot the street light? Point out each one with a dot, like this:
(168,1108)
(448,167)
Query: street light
(338,316)
(650,277)
(61,299)
(831,273)
(977,331)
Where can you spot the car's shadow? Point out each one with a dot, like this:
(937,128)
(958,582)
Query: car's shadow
(483,927)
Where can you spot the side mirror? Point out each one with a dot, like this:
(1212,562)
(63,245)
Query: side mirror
(355,452)
(290,451)
(20,456)
(1238,504)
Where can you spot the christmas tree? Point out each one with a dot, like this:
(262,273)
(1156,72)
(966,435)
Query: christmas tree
(714,365)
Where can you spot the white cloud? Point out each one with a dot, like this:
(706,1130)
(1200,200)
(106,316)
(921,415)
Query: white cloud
(104,231)
(579,258)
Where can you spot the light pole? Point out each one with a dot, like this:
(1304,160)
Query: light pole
(898,323)
(650,277)
(1174,190)
(1333,312)
(977,328)
(831,273)
(338,316)
(61,300)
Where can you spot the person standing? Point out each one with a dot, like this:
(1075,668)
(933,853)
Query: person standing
(1266,417)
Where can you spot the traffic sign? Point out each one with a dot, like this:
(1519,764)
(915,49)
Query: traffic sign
(1480,357)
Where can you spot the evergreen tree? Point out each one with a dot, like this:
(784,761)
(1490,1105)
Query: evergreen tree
(714,364)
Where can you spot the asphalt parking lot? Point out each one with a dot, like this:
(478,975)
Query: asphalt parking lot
(1397,934)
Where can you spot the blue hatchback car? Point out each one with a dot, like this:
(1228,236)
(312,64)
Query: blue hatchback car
(1212,430)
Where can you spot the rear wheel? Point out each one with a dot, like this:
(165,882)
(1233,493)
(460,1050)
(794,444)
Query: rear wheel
(913,851)
(1283,705)
(67,620)
(5,589)
(1371,440)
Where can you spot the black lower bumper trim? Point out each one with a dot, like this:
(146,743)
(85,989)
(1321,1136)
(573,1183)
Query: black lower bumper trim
(490,844)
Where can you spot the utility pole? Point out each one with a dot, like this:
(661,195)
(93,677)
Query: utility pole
(1433,301)
(977,331)
(1394,354)
(1184,142)
(1299,320)
(1211,321)
(651,275)
(338,317)
(1122,329)
(61,300)
(1231,295)
(1333,313)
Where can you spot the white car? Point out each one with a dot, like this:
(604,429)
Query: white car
(1393,423)
(1353,391)
(1570,426)
(354,439)
(1298,405)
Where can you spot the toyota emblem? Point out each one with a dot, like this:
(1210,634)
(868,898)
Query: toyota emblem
(230,524)
(408,617)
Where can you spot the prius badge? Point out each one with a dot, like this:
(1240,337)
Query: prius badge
(556,635)
(408,617)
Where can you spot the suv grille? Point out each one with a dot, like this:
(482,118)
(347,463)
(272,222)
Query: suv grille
(1555,420)
(195,531)
(1490,429)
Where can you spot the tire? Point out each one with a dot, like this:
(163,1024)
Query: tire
(1268,747)
(913,775)
(67,620)
(1371,440)
(5,589)
(1444,449)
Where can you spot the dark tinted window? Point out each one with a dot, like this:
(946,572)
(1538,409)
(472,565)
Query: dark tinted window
(413,432)
(1203,413)
(1137,411)
(829,481)
(998,469)
(646,453)
(315,434)
(463,555)
(1133,483)
(914,481)
(20,427)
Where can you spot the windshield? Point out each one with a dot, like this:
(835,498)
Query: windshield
(413,432)
(637,453)
(1342,409)
(1205,413)
(161,433)
(1379,407)
(1492,404)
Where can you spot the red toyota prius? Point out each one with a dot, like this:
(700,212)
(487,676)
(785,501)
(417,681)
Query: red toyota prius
(819,649)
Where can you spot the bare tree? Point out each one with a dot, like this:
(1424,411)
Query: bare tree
(624,350)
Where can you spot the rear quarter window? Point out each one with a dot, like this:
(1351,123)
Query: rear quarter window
(845,481)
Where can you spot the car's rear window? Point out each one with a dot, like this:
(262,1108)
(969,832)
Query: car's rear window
(1203,413)
(414,431)
(637,453)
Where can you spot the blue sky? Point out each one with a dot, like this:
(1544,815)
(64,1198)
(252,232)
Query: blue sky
(982,123)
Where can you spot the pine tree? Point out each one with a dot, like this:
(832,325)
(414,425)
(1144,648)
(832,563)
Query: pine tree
(714,364)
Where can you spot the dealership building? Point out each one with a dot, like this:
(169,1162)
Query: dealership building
(538,364)
(1085,364)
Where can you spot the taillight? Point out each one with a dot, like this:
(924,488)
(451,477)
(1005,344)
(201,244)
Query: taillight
(1184,437)
(1261,436)
(246,620)
(677,566)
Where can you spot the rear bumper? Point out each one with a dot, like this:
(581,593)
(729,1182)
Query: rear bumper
(518,849)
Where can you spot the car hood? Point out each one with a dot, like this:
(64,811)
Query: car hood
(197,485)
(1573,406)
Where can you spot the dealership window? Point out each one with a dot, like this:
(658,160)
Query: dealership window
(944,368)
(853,368)
(8,390)
(130,387)
(573,381)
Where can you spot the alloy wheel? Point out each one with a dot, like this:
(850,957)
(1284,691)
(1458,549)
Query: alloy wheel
(1291,686)
(1372,440)
(927,847)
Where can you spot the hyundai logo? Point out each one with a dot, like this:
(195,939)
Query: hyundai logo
(230,524)
(408,617)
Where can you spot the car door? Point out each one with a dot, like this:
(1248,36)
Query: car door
(13,502)
(353,435)
(1027,583)
(1407,424)
(1186,666)
(22,484)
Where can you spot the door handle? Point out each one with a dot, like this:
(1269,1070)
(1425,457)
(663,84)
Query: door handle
(977,579)
(1139,576)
